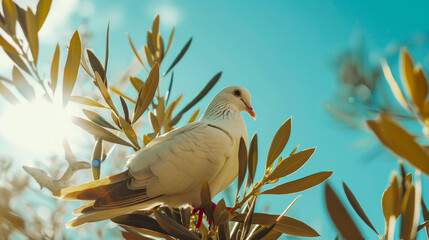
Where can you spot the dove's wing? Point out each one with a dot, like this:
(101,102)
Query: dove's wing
(175,163)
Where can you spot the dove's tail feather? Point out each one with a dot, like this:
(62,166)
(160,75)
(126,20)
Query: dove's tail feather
(94,189)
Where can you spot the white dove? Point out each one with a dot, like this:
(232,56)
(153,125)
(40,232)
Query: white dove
(171,169)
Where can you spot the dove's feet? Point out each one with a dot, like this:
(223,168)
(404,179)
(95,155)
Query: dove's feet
(201,211)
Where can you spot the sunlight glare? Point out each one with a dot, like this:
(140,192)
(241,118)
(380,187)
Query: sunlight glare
(39,126)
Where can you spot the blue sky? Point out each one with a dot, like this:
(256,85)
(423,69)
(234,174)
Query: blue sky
(282,52)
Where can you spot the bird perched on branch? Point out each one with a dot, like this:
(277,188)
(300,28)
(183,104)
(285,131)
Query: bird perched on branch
(171,169)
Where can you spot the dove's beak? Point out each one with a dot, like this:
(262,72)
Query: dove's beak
(249,109)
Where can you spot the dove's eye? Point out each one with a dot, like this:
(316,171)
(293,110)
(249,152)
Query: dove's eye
(237,93)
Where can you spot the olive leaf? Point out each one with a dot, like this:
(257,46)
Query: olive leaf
(140,221)
(194,116)
(96,118)
(22,85)
(147,92)
(96,65)
(72,67)
(206,200)
(43,7)
(179,56)
(135,52)
(31,29)
(242,163)
(279,142)
(129,132)
(7,94)
(96,159)
(291,164)
(248,220)
(87,101)
(173,228)
(252,160)
(339,215)
(54,69)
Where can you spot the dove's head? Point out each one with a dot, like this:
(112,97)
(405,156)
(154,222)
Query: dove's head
(239,97)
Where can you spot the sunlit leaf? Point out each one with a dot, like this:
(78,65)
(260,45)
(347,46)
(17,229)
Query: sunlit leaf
(242,163)
(22,85)
(146,139)
(136,82)
(179,57)
(147,92)
(121,94)
(87,101)
(173,228)
(10,15)
(206,200)
(194,101)
(129,132)
(19,62)
(42,12)
(414,80)
(291,164)
(391,203)
(32,29)
(151,45)
(169,112)
(54,69)
(358,209)
(194,116)
(96,118)
(300,184)
(279,142)
(394,87)
(135,52)
(7,47)
(285,224)
(98,131)
(425,215)
(148,56)
(96,158)
(398,140)
(339,215)
(7,94)
(170,41)
(154,122)
(72,66)
(125,109)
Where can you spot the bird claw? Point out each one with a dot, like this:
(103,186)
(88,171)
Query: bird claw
(201,211)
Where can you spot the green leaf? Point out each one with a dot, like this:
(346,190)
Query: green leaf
(96,118)
(242,163)
(291,164)
(22,85)
(72,67)
(54,69)
(339,215)
(358,209)
(147,92)
(42,12)
(98,131)
(96,158)
(206,200)
(300,184)
(179,57)
(87,101)
(279,142)
(194,101)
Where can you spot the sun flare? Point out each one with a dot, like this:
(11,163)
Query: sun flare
(39,126)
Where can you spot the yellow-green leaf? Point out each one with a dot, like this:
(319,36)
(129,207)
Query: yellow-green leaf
(33,39)
(98,131)
(87,101)
(291,164)
(252,160)
(148,56)
(242,163)
(279,142)
(170,41)
(54,69)
(147,92)
(136,82)
(339,215)
(103,90)
(115,90)
(72,67)
(391,203)
(409,221)
(300,184)
(10,15)
(399,141)
(154,122)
